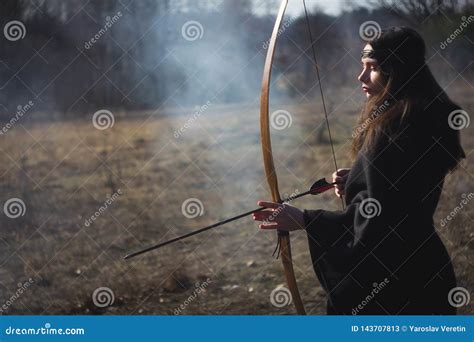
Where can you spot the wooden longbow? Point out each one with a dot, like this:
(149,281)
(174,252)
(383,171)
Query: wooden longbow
(270,172)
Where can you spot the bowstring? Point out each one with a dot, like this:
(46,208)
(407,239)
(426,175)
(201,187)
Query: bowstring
(321,91)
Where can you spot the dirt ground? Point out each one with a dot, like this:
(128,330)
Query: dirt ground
(65,171)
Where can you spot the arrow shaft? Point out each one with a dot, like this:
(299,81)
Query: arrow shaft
(220,223)
(192,233)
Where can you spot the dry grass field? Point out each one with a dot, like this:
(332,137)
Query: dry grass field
(65,171)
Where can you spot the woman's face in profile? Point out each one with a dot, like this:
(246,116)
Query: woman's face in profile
(371,76)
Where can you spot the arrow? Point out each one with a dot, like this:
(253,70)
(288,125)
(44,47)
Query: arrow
(318,187)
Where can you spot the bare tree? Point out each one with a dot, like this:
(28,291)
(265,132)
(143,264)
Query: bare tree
(416,12)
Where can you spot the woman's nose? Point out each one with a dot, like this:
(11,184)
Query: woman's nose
(363,76)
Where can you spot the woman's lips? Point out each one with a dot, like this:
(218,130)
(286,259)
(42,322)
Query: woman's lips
(365,89)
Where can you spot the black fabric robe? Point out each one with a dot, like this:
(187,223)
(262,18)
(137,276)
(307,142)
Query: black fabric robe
(382,255)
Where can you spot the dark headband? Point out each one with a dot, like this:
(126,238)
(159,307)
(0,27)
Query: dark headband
(379,54)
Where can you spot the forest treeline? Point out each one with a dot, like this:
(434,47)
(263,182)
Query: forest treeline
(71,57)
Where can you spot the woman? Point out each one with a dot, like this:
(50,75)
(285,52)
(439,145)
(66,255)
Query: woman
(381,254)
